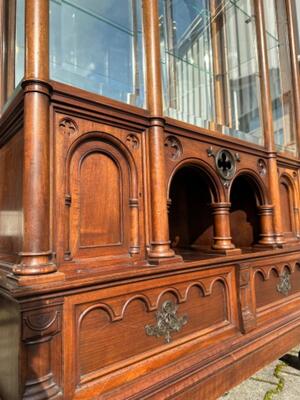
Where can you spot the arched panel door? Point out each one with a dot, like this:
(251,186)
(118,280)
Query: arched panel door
(99,209)
(287,208)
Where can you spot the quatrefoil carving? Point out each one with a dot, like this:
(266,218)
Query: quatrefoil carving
(226,164)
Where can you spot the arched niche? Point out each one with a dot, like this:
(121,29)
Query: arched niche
(245,196)
(190,221)
(287,207)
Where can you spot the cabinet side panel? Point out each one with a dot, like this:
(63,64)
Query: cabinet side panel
(11,165)
(9,350)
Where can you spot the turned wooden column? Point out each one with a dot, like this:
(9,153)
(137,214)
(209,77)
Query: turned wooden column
(159,243)
(36,254)
(294,68)
(266,235)
(290,10)
(267,120)
(2,50)
(221,223)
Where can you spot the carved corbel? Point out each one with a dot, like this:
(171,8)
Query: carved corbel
(40,326)
(248,317)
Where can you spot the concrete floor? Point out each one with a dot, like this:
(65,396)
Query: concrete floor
(278,381)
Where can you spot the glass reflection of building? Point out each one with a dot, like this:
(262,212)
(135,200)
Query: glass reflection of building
(209,60)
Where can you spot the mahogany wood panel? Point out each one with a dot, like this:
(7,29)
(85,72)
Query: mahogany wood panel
(266,291)
(109,332)
(286,210)
(10,331)
(97,352)
(268,280)
(99,202)
(11,166)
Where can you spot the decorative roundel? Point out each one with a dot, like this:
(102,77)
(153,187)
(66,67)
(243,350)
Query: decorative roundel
(225,164)
(173,147)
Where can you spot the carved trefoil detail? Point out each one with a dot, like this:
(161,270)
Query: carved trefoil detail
(132,141)
(284,286)
(167,322)
(67,126)
(173,147)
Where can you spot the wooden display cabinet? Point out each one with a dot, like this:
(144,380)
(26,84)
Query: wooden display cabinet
(142,257)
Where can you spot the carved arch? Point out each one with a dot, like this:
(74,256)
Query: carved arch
(213,182)
(102,306)
(260,190)
(118,144)
(193,187)
(143,298)
(197,284)
(223,281)
(175,292)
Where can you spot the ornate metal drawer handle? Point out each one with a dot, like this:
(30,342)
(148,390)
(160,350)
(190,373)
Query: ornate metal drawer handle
(167,322)
(284,285)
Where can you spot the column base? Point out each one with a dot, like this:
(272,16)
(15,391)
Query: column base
(165,260)
(227,252)
(261,246)
(160,250)
(42,389)
(31,280)
(280,241)
(34,269)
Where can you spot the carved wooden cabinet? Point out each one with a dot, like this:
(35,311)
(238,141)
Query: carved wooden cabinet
(149,197)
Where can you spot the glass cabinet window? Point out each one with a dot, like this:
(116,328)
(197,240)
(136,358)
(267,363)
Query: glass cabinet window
(210,67)
(13,44)
(280,75)
(20,42)
(97,46)
(297,25)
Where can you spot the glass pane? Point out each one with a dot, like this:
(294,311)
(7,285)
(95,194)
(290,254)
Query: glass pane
(97,46)
(210,67)
(186,56)
(297,11)
(12,57)
(280,75)
(20,41)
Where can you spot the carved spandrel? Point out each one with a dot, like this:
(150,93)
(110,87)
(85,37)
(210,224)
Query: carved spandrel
(173,148)
(225,163)
(262,167)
